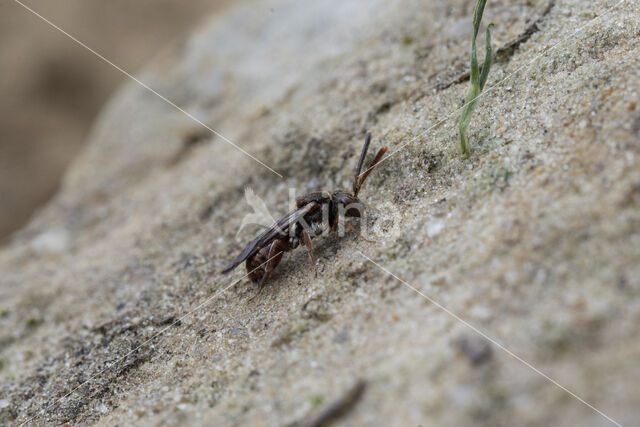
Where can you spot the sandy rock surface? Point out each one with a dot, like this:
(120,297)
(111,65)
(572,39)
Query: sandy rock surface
(112,307)
(51,89)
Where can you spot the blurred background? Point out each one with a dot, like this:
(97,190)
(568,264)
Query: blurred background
(51,88)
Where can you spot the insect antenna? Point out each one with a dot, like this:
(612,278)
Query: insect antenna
(356,178)
(358,182)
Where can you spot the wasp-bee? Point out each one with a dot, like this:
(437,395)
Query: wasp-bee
(315,214)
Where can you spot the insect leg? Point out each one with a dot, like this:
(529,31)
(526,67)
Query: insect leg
(276,249)
(264,279)
(350,228)
(307,242)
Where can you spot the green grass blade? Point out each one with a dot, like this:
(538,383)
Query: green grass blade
(464,123)
(477,79)
(487,59)
(477,17)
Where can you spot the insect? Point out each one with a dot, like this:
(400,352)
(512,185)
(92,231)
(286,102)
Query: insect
(315,214)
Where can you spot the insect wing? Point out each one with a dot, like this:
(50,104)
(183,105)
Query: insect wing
(278,229)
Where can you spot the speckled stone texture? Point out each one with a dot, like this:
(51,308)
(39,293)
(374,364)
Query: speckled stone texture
(534,239)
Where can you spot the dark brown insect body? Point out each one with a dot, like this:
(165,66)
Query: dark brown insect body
(315,214)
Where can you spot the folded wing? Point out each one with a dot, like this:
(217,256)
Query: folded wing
(278,229)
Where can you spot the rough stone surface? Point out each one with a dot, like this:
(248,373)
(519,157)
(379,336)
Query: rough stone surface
(534,240)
